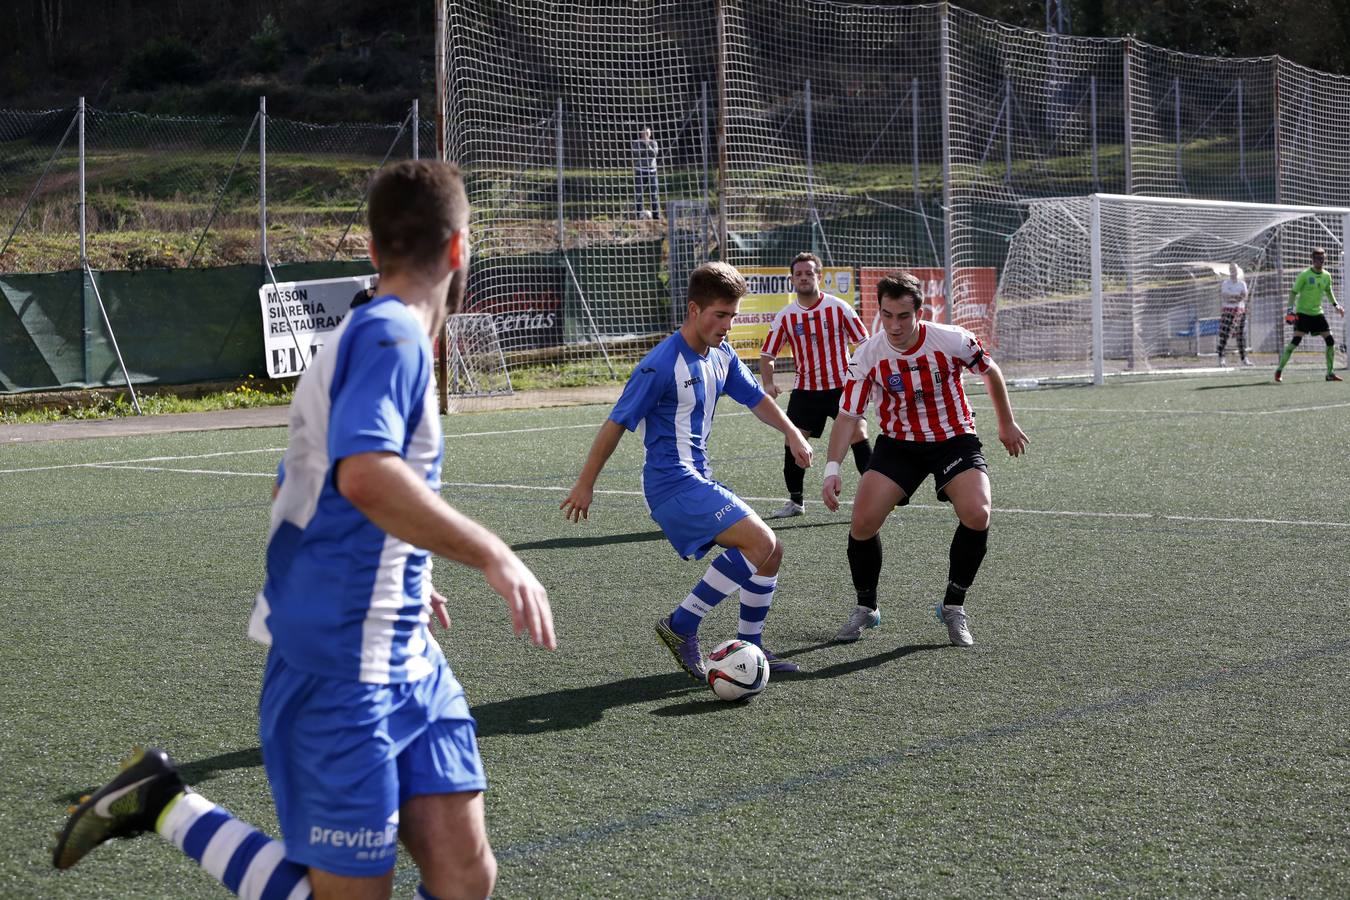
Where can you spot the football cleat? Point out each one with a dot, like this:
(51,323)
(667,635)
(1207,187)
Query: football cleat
(1332,376)
(684,647)
(124,807)
(779,665)
(788,510)
(958,625)
(859,620)
(1279,376)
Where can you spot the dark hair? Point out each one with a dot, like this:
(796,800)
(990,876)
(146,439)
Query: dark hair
(900,284)
(415,207)
(716,281)
(806,256)
(1318,251)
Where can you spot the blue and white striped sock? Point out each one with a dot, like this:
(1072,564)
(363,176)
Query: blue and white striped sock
(756,598)
(245,860)
(728,572)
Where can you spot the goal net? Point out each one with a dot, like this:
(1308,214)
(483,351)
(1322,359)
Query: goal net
(1111,284)
(476,363)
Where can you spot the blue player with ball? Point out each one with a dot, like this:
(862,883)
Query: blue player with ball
(672,396)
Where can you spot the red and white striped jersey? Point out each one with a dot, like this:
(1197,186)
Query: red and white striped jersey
(820,338)
(918,391)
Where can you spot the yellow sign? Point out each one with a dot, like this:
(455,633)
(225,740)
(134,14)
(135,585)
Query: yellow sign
(771,290)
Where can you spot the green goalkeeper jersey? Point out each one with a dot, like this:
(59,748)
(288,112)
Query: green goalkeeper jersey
(1308,290)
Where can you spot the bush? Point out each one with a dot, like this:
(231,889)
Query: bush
(266,48)
(164,60)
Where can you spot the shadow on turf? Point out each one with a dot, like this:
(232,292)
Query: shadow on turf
(576,707)
(701,704)
(1240,384)
(637,537)
(197,771)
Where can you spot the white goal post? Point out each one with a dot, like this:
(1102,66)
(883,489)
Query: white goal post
(1112,284)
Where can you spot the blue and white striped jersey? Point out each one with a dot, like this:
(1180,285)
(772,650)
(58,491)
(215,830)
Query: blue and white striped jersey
(671,396)
(342,598)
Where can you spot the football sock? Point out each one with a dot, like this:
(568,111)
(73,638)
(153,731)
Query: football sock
(1285,354)
(864,564)
(245,860)
(726,573)
(862,455)
(967,552)
(756,598)
(1331,358)
(794,476)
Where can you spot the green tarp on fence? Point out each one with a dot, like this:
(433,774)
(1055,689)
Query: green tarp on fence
(172,325)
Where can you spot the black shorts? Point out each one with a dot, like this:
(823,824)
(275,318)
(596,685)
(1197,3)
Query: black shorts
(808,410)
(908,463)
(1311,324)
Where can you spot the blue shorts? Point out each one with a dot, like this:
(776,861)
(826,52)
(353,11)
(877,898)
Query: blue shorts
(342,756)
(693,518)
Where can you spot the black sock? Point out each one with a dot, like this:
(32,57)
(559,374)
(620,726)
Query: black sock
(864,563)
(862,454)
(968,548)
(794,475)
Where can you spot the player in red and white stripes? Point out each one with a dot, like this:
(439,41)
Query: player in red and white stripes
(820,328)
(912,369)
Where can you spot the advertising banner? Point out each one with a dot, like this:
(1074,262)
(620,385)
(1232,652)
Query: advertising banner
(524,300)
(974,286)
(771,290)
(298,316)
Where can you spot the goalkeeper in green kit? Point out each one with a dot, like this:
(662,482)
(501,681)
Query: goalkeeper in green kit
(1305,312)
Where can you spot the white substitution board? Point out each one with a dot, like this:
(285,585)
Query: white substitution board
(298,316)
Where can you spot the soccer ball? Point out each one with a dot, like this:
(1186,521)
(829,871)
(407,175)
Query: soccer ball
(737,670)
(645,215)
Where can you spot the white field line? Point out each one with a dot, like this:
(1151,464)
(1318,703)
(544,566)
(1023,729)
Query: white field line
(182,471)
(1018,407)
(560,489)
(593,425)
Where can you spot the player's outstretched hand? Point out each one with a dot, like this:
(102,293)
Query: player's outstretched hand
(577,504)
(525,596)
(829,491)
(1014,440)
(438,608)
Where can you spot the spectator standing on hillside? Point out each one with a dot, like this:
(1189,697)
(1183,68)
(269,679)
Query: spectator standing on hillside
(645,151)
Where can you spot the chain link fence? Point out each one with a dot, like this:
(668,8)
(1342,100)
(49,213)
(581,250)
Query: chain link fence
(175,191)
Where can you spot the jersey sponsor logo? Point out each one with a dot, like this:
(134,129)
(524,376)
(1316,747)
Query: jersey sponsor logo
(373,843)
(799,328)
(896,382)
(690,382)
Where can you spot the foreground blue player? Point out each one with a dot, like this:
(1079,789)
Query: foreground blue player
(366,734)
(671,396)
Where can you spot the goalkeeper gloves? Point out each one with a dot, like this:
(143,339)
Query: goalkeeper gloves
(1289,315)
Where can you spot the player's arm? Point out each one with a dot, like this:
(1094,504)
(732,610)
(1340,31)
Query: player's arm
(766,366)
(1332,297)
(401,504)
(578,503)
(843,432)
(1012,437)
(771,414)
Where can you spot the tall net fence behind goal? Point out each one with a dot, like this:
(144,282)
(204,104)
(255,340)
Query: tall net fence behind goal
(1134,287)
(545,104)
